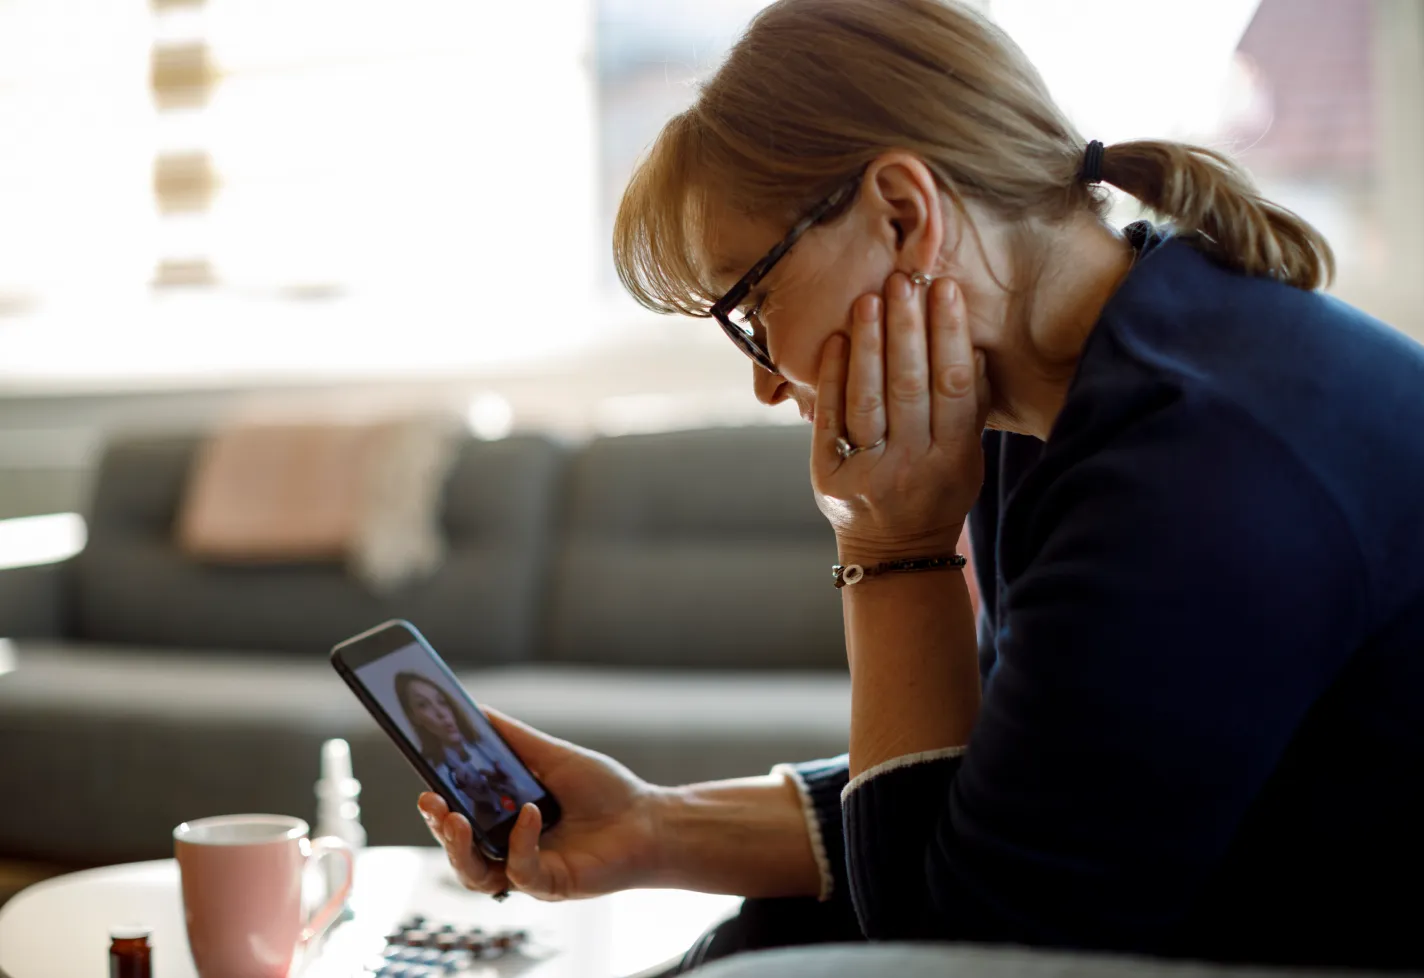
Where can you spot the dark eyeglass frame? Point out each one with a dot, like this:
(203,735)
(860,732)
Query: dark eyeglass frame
(723,308)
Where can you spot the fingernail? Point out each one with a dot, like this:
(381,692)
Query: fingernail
(980,364)
(900,286)
(870,309)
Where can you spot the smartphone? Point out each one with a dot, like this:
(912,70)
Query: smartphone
(413,695)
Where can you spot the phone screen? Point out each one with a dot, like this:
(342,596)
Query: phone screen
(440,722)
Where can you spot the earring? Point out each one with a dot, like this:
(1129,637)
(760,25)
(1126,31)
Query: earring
(921,279)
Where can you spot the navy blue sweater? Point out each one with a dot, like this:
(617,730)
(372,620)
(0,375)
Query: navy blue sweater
(1202,650)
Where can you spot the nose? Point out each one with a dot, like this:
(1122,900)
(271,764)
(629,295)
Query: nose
(770,388)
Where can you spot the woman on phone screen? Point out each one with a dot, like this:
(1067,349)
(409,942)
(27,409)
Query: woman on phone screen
(453,746)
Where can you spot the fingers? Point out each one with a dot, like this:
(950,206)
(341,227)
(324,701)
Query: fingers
(907,365)
(956,399)
(865,380)
(830,404)
(453,832)
(432,806)
(523,866)
(474,871)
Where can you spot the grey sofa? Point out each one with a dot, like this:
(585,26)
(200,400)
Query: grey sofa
(662,598)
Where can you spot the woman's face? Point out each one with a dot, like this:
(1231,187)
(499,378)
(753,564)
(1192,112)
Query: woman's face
(432,714)
(805,299)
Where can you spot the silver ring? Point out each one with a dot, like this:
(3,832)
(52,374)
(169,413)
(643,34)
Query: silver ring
(920,278)
(847,451)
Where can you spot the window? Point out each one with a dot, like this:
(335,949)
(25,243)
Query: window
(74,162)
(257,187)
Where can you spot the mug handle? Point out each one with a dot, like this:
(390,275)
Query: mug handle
(326,846)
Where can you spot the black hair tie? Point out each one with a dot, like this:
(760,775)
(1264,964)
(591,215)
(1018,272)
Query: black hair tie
(1093,163)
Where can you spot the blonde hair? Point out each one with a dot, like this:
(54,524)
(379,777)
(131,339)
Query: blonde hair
(817,89)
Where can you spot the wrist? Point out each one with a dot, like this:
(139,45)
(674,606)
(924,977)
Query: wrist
(746,836)
(867,551)
(662,810)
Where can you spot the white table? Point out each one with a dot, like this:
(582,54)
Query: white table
(60,928)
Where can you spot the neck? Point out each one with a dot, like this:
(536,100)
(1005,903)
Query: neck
(1085,263)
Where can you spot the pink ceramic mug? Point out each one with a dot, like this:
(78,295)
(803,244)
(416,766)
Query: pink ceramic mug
(242,892)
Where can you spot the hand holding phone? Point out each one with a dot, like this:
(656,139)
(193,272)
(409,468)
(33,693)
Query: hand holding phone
(419,703)
(608,840)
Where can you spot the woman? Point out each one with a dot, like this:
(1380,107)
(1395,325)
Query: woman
(1195,721)
(454,748)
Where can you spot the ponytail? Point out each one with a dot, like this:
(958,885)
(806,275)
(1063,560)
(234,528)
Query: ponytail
(1200,190)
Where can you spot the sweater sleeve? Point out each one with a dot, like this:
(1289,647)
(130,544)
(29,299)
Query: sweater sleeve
(820,784)
(1175,603)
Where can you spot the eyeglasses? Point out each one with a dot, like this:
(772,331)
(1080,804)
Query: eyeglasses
(743,327)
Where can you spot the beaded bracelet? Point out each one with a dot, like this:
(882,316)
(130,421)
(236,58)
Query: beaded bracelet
(845,574)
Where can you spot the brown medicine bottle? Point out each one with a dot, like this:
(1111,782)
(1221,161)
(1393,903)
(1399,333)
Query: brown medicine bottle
(130,955)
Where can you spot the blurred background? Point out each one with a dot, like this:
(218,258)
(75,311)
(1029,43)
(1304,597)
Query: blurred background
(218,211)
(203,201)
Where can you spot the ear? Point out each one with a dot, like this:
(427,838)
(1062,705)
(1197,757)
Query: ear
(902,200)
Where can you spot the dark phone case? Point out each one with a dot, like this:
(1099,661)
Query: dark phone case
(494,846)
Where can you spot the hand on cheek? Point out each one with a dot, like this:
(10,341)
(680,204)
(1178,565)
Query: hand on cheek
(865,422)
(908,375)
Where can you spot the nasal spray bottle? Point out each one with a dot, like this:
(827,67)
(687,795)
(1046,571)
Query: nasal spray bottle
(338,810)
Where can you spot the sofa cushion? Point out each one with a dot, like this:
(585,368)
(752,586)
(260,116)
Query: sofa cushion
(104,749)
(696,550)
(135,585)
